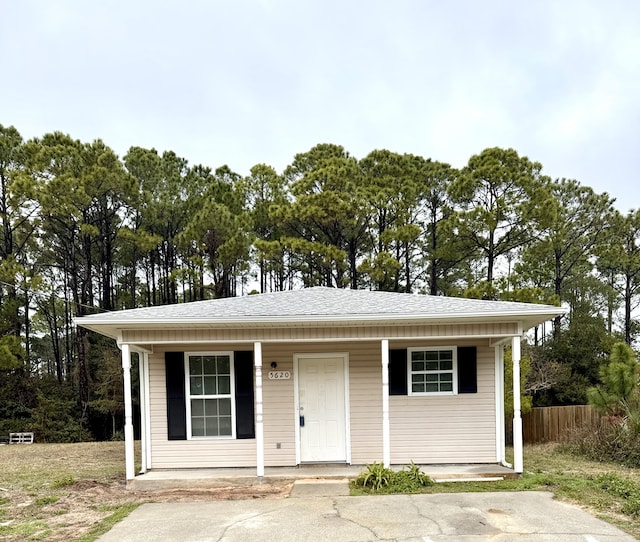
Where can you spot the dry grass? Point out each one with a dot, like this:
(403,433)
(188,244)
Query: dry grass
(59,492)
(67,492)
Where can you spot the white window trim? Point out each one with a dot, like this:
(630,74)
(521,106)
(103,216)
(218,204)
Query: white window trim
(454,351)
(188,395)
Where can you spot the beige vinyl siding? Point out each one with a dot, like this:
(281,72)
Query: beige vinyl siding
(319,333)
(278,409)
(443,429)
(365,378)
(365,381)
(197,453)
(449,428)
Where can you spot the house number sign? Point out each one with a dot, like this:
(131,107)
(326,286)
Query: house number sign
(279,375)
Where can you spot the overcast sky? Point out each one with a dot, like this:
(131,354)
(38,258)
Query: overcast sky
(245,82)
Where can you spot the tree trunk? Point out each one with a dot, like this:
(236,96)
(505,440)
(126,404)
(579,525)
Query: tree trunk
(557,289)
(433,268)
(27,331)
(628,294)
(407,268)
(83,373)
(353,265)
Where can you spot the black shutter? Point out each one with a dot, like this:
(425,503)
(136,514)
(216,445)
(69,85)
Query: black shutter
(398,372)
(176,407)
(467,370)
(243,368)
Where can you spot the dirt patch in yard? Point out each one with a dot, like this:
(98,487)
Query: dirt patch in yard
(60,492)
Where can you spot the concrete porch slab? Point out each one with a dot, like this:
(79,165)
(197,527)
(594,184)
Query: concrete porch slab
(441,473)
(155,480)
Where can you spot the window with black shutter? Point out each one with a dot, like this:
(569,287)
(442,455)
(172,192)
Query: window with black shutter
(210,395)
(245,419)
(467,369)
(433,370)
(398,372)
(176,405)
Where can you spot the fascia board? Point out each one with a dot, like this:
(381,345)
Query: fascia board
(540,315)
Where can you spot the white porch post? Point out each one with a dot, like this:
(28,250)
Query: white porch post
(386,442)
(128,414)
(143,413)
(257,358)
(500,421)
(147,418)
(498,394)
(518,462)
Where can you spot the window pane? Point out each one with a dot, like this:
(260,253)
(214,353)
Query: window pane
(209,365)
(417,356)
(210,375)
(224,407)
(223,365)
(225,425)
(432,371)
(195,365)
(197,427)
(211,407)
(197,407)
(212,427)
(224,385)
(195,383)
(210,387)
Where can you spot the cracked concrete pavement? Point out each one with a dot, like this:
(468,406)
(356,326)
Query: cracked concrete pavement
(460,517)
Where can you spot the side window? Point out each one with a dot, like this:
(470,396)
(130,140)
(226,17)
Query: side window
(210,394)
(432,371)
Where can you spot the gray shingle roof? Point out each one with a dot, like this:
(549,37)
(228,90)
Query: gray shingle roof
(323,304)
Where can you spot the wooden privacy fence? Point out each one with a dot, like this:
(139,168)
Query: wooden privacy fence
(553,424)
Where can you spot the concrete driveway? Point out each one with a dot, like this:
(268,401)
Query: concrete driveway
(460,517)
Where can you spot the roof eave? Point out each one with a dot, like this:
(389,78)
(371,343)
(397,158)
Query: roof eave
(528,320)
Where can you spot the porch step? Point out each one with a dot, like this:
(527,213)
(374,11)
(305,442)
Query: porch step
(320,487)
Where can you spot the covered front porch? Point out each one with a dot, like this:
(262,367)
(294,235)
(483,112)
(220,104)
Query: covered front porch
(169,477)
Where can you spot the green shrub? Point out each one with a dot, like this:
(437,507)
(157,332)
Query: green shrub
(618,387)
(417,476)
(374,476)
(377,478)
(56,418)
(612,440)
(626,489)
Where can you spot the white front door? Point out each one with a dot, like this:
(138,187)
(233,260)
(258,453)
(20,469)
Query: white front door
(321,405)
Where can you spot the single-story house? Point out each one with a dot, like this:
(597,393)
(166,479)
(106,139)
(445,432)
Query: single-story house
(321,375)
